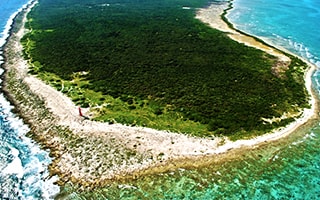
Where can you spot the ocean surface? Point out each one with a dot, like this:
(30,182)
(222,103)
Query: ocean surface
(285,169)
(23,165)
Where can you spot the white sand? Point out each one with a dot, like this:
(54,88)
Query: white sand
(212,16)
(171,145)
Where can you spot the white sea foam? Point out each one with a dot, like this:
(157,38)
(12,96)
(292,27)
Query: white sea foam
(49,189)
(15,122)
(296,47)
(33,169)
(6,32)
(35,173)
(29,163)
(15,167)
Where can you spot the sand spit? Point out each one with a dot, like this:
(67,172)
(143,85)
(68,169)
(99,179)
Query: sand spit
(212,16)
(91,153)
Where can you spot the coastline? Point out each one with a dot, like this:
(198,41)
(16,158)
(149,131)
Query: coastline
(215,17)
(154,151)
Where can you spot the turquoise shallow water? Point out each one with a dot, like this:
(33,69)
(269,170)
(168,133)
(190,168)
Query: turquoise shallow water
(286,169)
(293,24)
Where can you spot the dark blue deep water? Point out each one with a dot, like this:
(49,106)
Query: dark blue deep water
(23,165)
(286,169)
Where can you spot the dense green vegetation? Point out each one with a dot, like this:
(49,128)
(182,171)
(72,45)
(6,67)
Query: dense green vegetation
(150,63)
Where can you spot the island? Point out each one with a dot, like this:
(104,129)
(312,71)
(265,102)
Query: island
(124,111)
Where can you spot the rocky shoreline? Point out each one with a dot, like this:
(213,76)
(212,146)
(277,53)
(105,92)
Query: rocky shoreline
(90,154)
(83,157)
(43,124)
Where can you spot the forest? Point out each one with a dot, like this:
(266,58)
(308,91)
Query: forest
(151,63)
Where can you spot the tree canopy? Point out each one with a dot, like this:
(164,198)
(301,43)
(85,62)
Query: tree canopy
(156,50)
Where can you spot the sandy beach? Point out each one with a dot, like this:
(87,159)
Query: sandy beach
(92,153)
(212,16)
